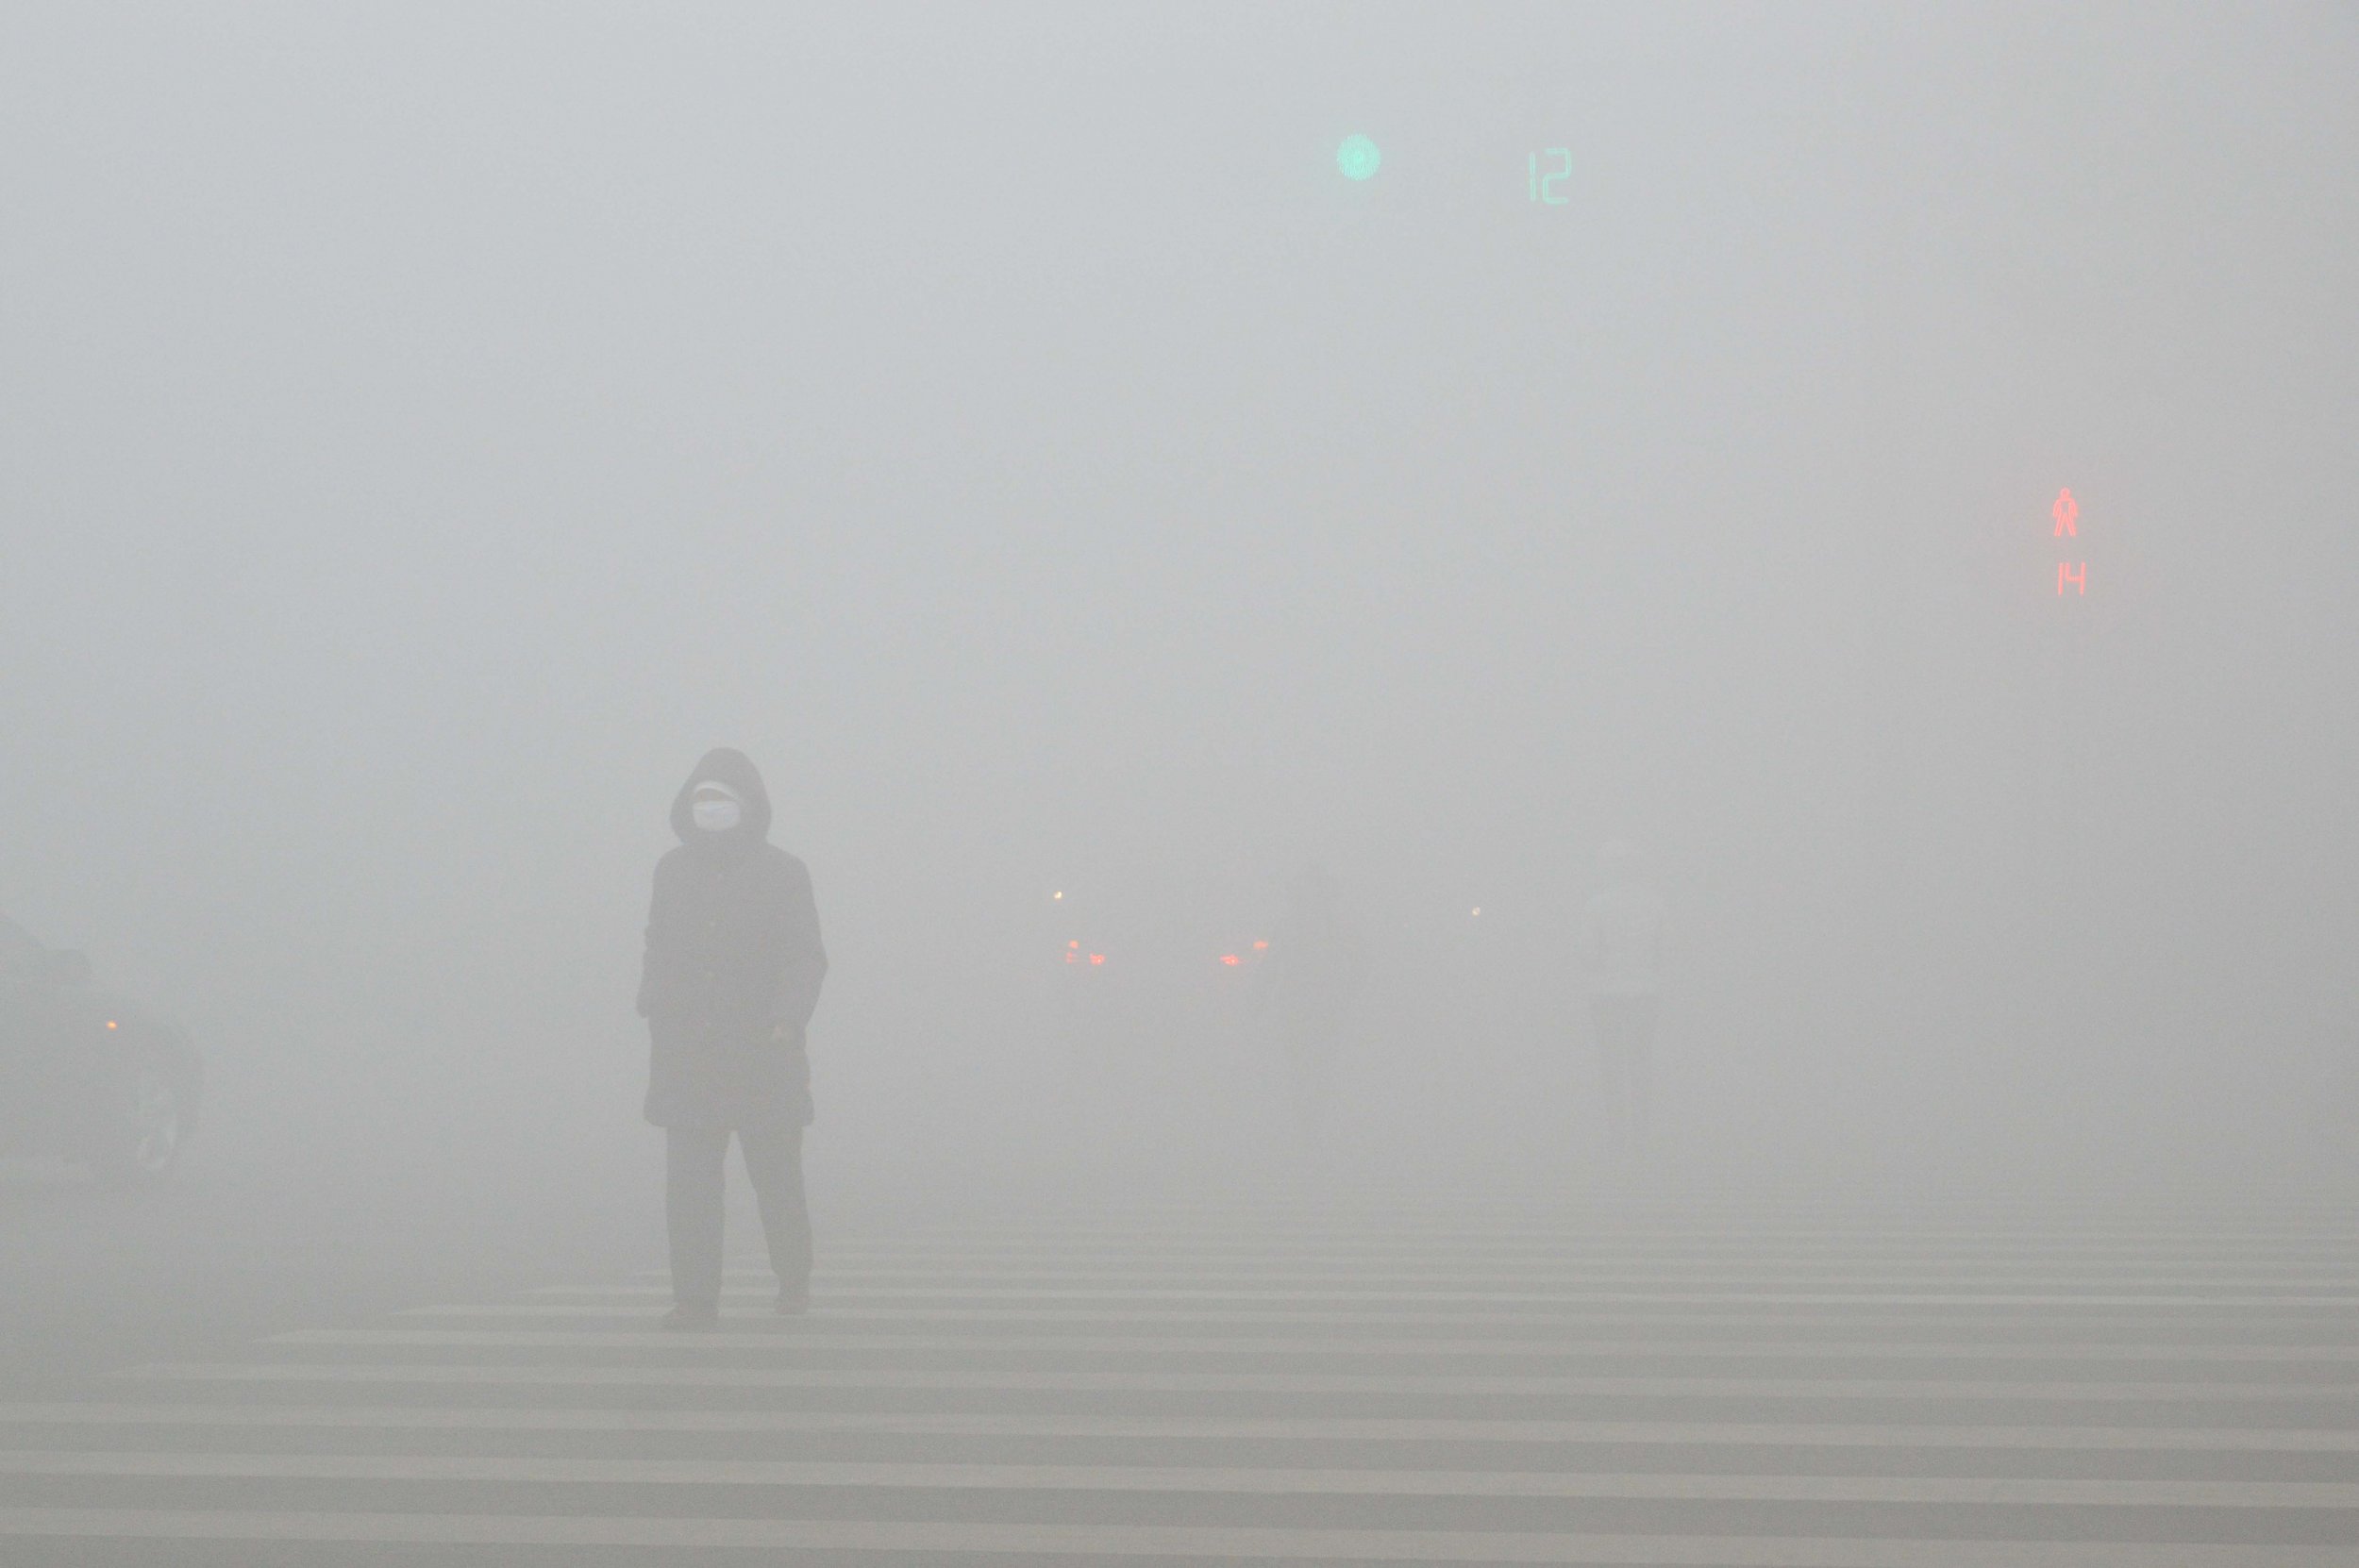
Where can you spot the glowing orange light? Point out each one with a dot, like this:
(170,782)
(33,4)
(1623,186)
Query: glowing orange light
(1097,958)
(1261,948)
(2067,513)
(1059,894)
(110,1023)
(1230,960)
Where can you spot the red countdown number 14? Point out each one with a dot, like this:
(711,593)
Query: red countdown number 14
(2066,512)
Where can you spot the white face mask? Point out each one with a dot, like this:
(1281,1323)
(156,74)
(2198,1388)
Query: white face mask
(714,816)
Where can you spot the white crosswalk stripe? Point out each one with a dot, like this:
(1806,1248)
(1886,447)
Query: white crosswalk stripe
(1783,1389)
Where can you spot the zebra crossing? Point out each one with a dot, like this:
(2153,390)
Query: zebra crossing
(1774,1389)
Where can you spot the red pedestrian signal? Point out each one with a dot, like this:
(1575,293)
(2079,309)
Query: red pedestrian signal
(2072,576)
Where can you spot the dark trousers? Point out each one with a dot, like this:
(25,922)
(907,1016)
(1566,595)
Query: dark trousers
(696,1168)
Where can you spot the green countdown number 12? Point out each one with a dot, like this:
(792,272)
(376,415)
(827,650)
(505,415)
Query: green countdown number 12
(1543,187)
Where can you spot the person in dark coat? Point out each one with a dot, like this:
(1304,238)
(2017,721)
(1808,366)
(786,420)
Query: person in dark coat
(732,975)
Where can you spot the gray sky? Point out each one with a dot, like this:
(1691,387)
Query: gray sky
(429,429)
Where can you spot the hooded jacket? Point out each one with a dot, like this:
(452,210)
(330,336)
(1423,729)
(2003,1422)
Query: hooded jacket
(733,969)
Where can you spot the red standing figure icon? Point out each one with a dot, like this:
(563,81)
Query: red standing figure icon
(2066,512)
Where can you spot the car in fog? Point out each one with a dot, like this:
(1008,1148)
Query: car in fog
(1151,963)
(86,1072)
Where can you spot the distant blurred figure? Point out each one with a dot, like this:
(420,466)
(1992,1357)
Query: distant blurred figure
(732,975)
(1309,980)
(1624,940)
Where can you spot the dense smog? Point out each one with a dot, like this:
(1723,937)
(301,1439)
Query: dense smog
(1334,783)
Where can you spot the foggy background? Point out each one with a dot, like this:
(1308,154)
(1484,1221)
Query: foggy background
(429,430)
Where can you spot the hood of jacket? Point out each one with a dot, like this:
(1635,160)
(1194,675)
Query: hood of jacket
(728,766)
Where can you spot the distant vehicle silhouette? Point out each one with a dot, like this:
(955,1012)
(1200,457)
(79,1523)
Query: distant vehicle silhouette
(85,1072)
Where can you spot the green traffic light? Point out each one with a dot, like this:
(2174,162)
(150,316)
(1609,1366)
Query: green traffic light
(1358,158)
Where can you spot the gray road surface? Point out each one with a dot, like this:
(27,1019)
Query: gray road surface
(1799,1388)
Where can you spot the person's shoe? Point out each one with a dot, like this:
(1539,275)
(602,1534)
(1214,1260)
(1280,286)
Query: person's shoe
(793,1300)
(693,1317)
